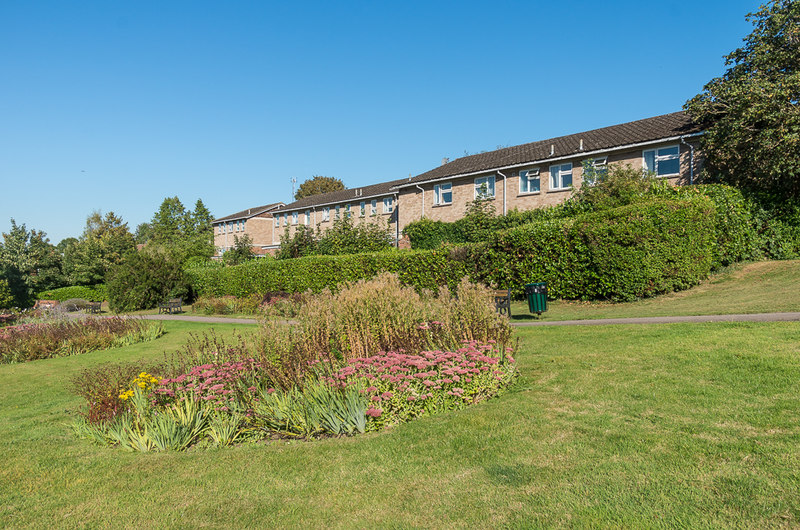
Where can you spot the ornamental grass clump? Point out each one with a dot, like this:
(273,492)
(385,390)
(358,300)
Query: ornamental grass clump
(61,337)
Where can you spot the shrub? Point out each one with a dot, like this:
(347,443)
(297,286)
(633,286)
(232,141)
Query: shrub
(95,293)
(6,296)
(620,254)
(144,279)
(227,305)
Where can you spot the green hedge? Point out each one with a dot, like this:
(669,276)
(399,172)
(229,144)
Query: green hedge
(422,269)
(621,254)
(96,293)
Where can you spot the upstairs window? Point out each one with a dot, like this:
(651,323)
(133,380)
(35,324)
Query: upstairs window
(285,219)
(373,207)
(277,220)
(294,217)
(561,176)
(326,213)
(337,214)
(529,181)
(664,162)
(484,187)
(363,209)
(594,169)
(443,193)
(388,204)
(307,218)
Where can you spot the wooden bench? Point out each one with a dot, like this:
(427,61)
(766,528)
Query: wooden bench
(502,301)
(173,305)
(93,307)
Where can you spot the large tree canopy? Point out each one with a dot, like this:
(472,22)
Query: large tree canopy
(29,263)
(318,184)
(104,243)
(751,114)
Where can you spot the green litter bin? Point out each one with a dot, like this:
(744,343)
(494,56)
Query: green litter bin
(537,297)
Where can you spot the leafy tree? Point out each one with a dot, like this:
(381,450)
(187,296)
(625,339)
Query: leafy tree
(301,243)
(143,233)
(751,114)
(619,186)
(65,243)
(29,263)
(318,184)
(104,243)
(347,237)
(146,278)
(182,232)
(6,298)
(242,250)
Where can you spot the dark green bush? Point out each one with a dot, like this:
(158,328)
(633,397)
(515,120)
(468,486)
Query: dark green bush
(95,293)
(421,269)
(146,278)
(620,254)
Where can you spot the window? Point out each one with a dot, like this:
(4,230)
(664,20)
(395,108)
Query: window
(373,207)
(307,218)
(594,169)
(664,161)
(285,219)
(277,221)
(388,204)
(219,229)
(363,209)
(443,193)
(484,187)
(349,211)
(230,227)
(294,218)
(336,215)
(529,181)
(244,221)
(561,176)
(326,213)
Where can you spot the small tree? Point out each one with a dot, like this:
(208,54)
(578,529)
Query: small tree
(146,278)
(619,186)
(6,298)
(751,115)
(300,244)
(347,237)
(242,250)
(318,184)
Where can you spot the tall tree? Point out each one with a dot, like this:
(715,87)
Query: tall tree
(29,263)
(751,114)
(104,243)
(318,184)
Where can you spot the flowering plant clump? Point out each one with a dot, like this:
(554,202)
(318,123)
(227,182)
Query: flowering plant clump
(400,386)
(144,381)
(215,383)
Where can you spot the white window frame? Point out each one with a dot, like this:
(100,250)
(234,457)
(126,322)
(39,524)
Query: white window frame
(363,209)
(307,218)
(337,213)
(326,214)
(388,204)
(295,216)
(277,220)
(440,190)
(490,189)
(373,207)
(349,211)
(557,174)
(662,158)
(526,176)
(285,219)
(599,165)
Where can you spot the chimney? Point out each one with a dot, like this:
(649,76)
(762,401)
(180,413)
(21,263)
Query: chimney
(445,160)
(581,146)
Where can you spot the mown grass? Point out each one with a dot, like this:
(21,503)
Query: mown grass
(761,287)
(689,425)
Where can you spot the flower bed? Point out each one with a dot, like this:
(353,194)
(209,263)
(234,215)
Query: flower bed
(59,337)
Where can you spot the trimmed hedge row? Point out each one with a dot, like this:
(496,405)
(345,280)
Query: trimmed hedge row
(95,293)
(422,269)
(620,254)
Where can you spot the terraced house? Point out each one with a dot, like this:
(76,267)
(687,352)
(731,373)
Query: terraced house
(527,176)
(543,173)
(255,222)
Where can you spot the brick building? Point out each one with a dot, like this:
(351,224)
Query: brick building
(526,176)
(542,173)
(255,222)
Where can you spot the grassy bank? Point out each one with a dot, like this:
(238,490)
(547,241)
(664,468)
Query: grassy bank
(761,287)
(679,425)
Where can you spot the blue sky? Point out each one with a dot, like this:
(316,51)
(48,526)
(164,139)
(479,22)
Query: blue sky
(113,106)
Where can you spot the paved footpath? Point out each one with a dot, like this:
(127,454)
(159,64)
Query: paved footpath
(756,317)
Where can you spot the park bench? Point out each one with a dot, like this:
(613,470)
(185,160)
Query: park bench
(93,307)
(173,305)
(502,301)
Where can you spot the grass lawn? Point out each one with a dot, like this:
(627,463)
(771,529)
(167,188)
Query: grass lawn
(761,287)
(671,425)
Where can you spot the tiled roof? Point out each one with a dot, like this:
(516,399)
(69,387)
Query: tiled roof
(343,196)
(250,212)
(666,126)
